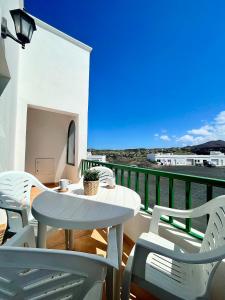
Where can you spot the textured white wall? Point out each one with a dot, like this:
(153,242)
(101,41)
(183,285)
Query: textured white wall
(9,55)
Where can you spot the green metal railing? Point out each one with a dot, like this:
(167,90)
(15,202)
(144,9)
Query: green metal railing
(132,180)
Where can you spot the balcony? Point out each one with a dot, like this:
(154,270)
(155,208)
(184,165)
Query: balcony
(172,190)
(154,187)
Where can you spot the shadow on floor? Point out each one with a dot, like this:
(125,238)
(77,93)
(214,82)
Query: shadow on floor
(95,242)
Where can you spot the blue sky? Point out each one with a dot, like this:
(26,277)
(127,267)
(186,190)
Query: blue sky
(157,76)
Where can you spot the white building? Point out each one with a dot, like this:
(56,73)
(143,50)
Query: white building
(43,90)
(91,156)
(216,158)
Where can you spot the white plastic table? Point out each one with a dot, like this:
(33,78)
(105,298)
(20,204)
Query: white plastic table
(73,210)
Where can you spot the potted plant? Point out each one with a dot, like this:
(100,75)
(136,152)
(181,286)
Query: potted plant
(91,182)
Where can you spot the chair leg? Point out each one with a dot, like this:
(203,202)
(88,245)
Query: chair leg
(109,284)
(67,239)
(125,291)
(127,277)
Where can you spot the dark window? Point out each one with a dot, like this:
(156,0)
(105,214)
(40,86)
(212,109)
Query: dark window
(70,160)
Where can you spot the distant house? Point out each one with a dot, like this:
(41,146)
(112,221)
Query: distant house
(43,101)
(101,158)
(216,158)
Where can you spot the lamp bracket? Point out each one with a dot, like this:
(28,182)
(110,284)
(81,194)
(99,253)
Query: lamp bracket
(6,33)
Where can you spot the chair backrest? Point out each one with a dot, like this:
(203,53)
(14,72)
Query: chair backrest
(28,273)
(18,186)
(104,173)
(214,237)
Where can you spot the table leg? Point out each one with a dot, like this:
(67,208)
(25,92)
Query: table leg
(117,273)
(42,234)
(71,239)
(109,280)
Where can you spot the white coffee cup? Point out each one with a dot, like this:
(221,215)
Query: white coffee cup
(111,182)
(63,184)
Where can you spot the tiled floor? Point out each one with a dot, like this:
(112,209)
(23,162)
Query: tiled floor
(96,242)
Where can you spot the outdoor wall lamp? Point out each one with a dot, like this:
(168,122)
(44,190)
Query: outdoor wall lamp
(24,26)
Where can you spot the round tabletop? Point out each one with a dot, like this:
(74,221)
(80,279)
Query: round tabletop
(73,210)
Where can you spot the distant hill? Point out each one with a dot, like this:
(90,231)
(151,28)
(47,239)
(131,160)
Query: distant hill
(205,148)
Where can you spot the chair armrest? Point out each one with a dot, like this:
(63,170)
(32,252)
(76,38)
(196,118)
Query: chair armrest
(145,246)
(13,206)
(23,238)
(112,250)
(158,211)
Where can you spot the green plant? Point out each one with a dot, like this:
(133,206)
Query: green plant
(91,175)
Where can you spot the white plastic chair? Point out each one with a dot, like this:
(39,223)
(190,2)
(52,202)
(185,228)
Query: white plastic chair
(29,273)
(13,207)
(15,187)
(168,271)
(104,173)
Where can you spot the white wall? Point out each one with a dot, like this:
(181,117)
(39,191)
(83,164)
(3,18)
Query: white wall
(9,65)
(54,74)
(188,159)
(47,138)
(51,73)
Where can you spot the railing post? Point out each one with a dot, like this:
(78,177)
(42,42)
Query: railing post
(171,197)
(116,176)
(128,179)
(146,192)
(82,167)
(157,190)
(122,177)
(137,182)
(188,203)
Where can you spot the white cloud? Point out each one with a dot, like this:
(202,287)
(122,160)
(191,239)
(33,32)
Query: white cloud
(156,134)
(220,118)
(165,137)
(185,138)
(204,130)
(214,131)
(188,139)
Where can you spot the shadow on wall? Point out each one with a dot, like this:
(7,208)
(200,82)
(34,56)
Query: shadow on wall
(4,70)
